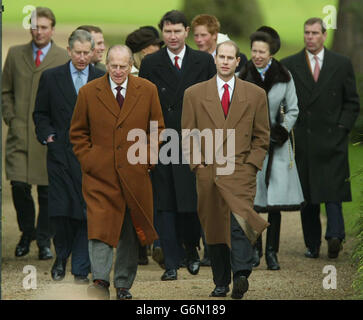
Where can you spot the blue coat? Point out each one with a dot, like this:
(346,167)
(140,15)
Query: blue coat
(284,190)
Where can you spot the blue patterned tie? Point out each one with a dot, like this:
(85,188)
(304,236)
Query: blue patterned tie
(79,82)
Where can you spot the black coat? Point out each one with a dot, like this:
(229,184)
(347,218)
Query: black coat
(321,144)
(55,101)
(174,184)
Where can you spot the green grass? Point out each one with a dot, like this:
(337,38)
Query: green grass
(352,209)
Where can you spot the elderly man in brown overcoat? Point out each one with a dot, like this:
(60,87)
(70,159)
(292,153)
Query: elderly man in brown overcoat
(117,192)
(226,189)
(25,158)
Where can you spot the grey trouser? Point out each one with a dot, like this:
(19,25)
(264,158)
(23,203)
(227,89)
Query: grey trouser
(127,252)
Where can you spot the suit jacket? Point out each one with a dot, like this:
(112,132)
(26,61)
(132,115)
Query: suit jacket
(218,195)
(25,158)
(174,184)
(321,144)
(99,134)
(53,111)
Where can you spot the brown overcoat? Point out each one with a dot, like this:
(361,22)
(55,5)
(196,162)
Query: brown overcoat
(25,157)
(218,195)
(99,133)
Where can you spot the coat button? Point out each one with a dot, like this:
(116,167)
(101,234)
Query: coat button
(118,147)
(170,109)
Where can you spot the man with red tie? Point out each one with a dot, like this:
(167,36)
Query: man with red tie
(328,108)
(25,158)
(225,201)
(173,69)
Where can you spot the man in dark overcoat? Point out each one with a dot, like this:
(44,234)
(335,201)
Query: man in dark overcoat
(54,105)
(329,106)
(173,69)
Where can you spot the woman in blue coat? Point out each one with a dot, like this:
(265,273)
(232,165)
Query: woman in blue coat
(278,185)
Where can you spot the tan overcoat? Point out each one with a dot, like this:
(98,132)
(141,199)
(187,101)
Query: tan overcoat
(219,195)
(110,182)
(25,157)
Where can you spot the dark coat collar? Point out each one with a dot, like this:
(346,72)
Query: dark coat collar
(275,74)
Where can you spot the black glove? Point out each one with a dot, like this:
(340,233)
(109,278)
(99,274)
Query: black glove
(278,135)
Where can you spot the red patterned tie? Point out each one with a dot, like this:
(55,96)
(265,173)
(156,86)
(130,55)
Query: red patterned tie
(225,100)
(176,62)
(120,99)
(37,59)
(316,69)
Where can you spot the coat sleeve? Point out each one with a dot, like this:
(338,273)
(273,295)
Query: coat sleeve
(350,107)
(156,115)
(191,151)
(8,90)
(42,110)
(260,133)
(79,132)
(292,109)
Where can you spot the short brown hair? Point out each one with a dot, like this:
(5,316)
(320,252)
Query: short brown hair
(316,20)
(90,28)
(231,43)
(211,22)
(264,37)
(44,13)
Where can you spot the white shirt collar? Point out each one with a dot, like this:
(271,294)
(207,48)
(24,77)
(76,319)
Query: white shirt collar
(180,55)
(220,84)
(114,85)
(320,56)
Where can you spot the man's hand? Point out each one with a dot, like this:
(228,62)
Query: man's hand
(50,138)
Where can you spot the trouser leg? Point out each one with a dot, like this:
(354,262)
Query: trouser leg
(335,221)
(101,258)
(311,225)
(80,256)
(126,255)
(43,233)
(63,237)
(273,231)
(24,207)
(220,258)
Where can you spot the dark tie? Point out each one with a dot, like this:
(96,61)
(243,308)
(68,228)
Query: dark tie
(37,59)
(176,62)
(225,100)
(120,99)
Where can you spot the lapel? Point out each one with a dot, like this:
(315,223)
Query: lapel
(132,96)
(47,61)
(213,105)
(65,84)
(326,73)
(106,97)
(303,71)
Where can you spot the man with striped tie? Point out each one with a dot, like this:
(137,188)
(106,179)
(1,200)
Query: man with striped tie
(328,107)
(25,158)
(54,105)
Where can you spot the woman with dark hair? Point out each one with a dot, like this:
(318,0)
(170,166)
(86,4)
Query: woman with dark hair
(278,185)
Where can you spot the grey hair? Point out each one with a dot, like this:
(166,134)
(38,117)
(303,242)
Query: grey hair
(120,47)
(81,36)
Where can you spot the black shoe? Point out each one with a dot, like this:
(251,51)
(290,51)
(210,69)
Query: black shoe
(45,253)
(123,294)
(170,274)
(22,248)
(143,259)
(158,257)
(240,287)
(81,279)
(220,291)
(256,258)
(99,290)
(334,246)
(312,253)
(193,267)
(271,260)
(205,262)
(58,270)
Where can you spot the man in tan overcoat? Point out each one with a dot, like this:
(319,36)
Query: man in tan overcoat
(25,158)
(117,192)
(226,189)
